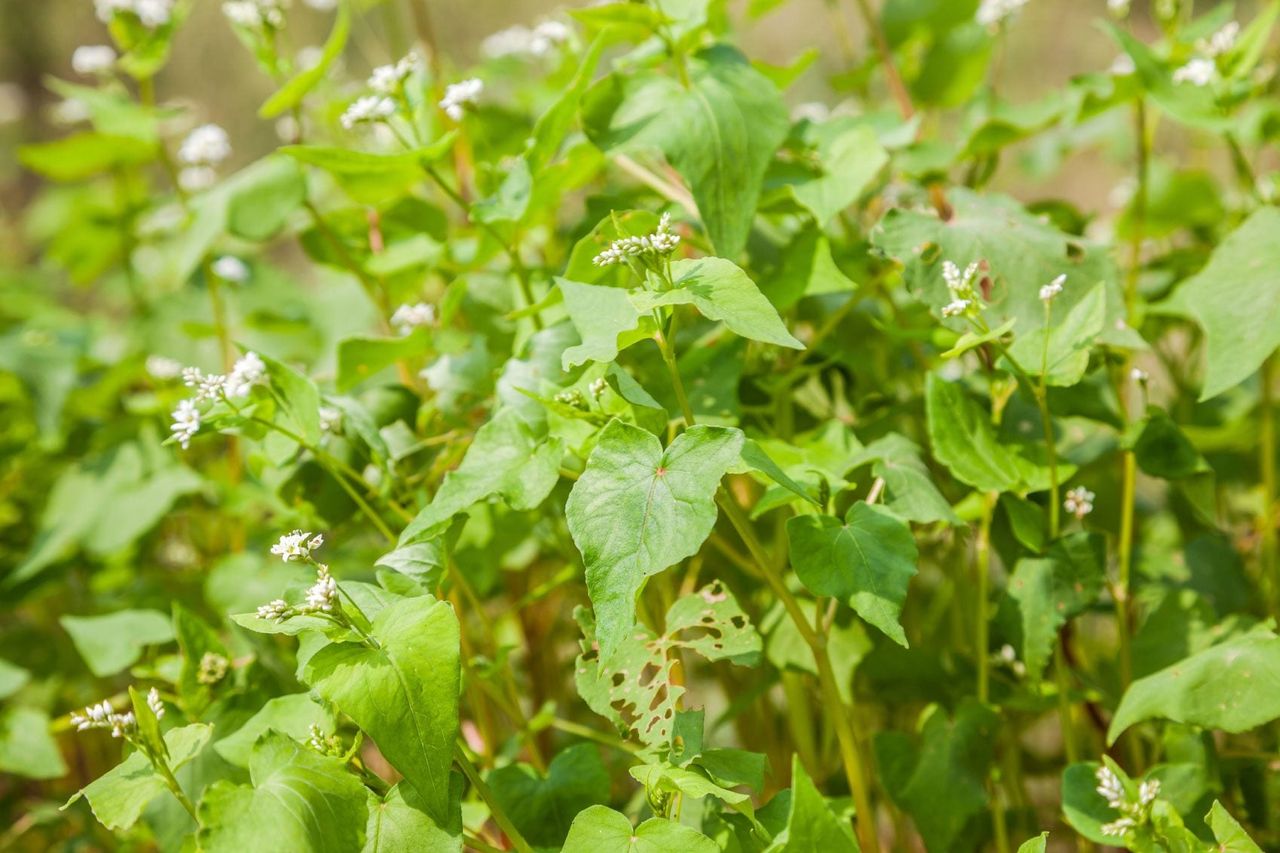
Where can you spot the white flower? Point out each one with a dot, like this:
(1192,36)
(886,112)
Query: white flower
(660,243)
(69,111)
(1053,288)
(162,367)
(150,13)
(597,387)
(196,178)
(811,111)
(370,108)
(1199,72)
(992,13)
(207,145)
(1119,8)
(208,386)
(1079,502)
(248,371)
(387,79)
(956,308)
(231,268)
(322,5)
(1109,787)
(323,594)
(1118,827)
(1122,66)
(93,59)
(1139,375)
(254,14)
(107,9)
(155,704)
(297,545)
(460,95)
(1148,791)
(409,317)
(276,611)
(959,283)
(186,422)
(1220,42)
(522,41)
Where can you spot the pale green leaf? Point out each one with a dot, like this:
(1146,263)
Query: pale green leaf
(27,746)
(602,830)
(290,715)
(811,825)
(1050,590)
(606,321)
(114,641)
(1228,832)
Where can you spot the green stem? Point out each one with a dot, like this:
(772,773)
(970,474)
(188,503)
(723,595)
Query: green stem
(666,343)
(495,810)
(571,728)
(982,565)
(1066,718)
(162,767)
(1267,460)
(896,87)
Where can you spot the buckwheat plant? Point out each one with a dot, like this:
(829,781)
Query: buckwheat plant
(551,427)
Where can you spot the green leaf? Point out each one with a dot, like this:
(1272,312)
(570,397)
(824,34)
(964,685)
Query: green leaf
(404,693)
(301,399)
(1229,686)
(1035,845)
(807,269)
(195,640)
(942,782)
(811,825)
(542,807)
(1070,339)
(27,747)
(972,339)
(261,197)
(909,487)
(506,458)
(719,133)
(372,178)
(299,800)
(867,562)
(290,715)
(1023,252)
(849,157)
(118,796)
(291,93)
(602,830)
(360,357)
(399,823)
(1235,298)
(1228,832)
(1163,450)
(964,441)
(12,678)
(721,291)
(1084,808)
(606,320)
(638,509)
(114,641)
(83,155)
(1050,590)
(667,779)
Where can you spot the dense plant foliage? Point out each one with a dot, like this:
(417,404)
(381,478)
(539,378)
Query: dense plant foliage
(592,451)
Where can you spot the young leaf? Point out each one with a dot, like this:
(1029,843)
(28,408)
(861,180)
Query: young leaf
(299,799)
(638,509)
(720,133)
(118,796)
(291,93)
(602,830)
(606,321)
(1034,845)
(1227,686)
(403,693)
(721,291)
(866,562)
(1070,339)
(292,715)
(849,157)
(811,825)
(1228,832)
(909,488)
(1050,590)
(399,823)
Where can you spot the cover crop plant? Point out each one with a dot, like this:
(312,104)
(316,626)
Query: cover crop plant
(594,448)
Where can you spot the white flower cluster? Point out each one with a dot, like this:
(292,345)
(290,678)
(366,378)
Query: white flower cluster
(572,398)
(163,367)
(992,13)
(297,545)
(321,596)
(597,387)
(409,317)
(1133,813)
(247,372)
(93,59)
(388,79)
(103,716)
(368,110)
(323,743)
(202,150)
(1119,8)
(520,40)
(155,703)
(458,96)
(1053,288)
(1202,69)
(330,419)
(255,14)
(1079,502)
(660,243)
(152,14)
(964,296)
(1140,376)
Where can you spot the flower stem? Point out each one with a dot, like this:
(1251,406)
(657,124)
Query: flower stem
(896,87)
(495,810)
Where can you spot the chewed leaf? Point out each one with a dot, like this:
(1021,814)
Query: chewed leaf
(711,623)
